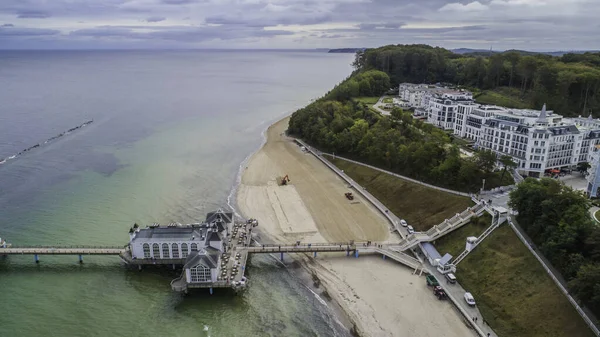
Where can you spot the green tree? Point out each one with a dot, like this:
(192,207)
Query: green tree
(486,159)
(583,167)
(508,163)
(587,284)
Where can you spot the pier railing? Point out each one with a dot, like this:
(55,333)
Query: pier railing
(67,247)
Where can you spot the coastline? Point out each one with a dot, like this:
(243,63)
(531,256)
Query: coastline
(376,297)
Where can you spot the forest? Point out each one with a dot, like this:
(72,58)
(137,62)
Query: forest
(339,123)
(570,84)
(556,218)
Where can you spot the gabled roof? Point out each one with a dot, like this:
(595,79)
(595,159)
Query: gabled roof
(213,236)
(219,214)
(208,257)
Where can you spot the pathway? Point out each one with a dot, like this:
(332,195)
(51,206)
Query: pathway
(463,194)
(378,109)
(456,294)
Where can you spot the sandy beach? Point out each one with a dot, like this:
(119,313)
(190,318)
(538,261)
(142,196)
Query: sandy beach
(381,297)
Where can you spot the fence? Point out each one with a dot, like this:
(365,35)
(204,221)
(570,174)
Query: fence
(583,315)
(401,176)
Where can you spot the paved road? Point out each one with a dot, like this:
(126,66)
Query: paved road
(593,211)
(379,103)
(456,292)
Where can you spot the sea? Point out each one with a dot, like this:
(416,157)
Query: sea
(170,132)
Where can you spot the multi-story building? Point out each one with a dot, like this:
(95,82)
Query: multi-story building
(470,117)
(442,106)
(537,140)
(593,177)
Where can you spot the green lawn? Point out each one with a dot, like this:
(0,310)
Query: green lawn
(387,100)
(597,216)
(367,100)
(506,97)
(492,180)
(515,295)
(422,207)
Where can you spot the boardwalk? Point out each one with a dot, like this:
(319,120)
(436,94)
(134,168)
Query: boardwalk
(63,250)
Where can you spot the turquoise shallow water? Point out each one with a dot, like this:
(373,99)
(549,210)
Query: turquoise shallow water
(170,131)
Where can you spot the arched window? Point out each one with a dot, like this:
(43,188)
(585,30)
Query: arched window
(146,251)
(165,249)
(200,273)
(156,251)
(175,251)
(184,250)
(194,247)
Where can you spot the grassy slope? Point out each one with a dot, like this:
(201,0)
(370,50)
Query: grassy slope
(507,97)
(367,100)
(513,291)
(420,206)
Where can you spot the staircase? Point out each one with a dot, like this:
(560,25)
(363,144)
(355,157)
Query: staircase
(496,222)
(449,225)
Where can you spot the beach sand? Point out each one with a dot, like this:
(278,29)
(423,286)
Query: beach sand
(381,297)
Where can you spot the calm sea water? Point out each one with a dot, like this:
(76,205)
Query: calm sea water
(170,131)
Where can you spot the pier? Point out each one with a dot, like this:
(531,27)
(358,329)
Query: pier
(238,257)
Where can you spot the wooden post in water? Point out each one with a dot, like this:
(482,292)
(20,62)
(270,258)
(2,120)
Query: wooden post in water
(37,259)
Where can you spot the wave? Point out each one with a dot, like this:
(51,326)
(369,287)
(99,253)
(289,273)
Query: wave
(62,134)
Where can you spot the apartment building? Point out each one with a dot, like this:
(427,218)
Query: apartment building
(442,106)
(537,140)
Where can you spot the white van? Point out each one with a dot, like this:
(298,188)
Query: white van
(451,278)
(470,299)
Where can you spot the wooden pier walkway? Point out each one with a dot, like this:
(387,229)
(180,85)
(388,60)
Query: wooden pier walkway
(63,250)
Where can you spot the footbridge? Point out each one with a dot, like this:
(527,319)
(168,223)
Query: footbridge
(350,248)
(63,250)
(449,225)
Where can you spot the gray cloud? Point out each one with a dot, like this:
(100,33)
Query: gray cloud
(33,14)
(547,24)
(10,31)
(372,26)
(155,19)
(177,2)
(178,33)
(7,25)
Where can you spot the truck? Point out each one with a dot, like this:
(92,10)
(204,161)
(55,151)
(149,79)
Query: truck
(432,281)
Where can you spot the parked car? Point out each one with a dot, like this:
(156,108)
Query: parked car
(410,229)
(451,278)
(469,299)
(403,223)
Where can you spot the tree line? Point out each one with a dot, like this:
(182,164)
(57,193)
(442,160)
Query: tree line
(338,123)
(557,219)
(569,84)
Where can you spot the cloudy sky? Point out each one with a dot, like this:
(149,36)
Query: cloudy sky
(503,24)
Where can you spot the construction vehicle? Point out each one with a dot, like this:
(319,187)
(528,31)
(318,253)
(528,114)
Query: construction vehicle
(432,281)
(349,196)
(439,293)
(285,180)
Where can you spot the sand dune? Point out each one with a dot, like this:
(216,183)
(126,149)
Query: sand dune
(382,297)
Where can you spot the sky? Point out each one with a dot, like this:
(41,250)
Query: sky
(540,25)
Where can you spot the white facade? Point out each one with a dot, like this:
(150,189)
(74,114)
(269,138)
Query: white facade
(442,107)
(536,140)
(593,176)
(177,241)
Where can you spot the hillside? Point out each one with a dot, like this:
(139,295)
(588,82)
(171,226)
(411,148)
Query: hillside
(570,84)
